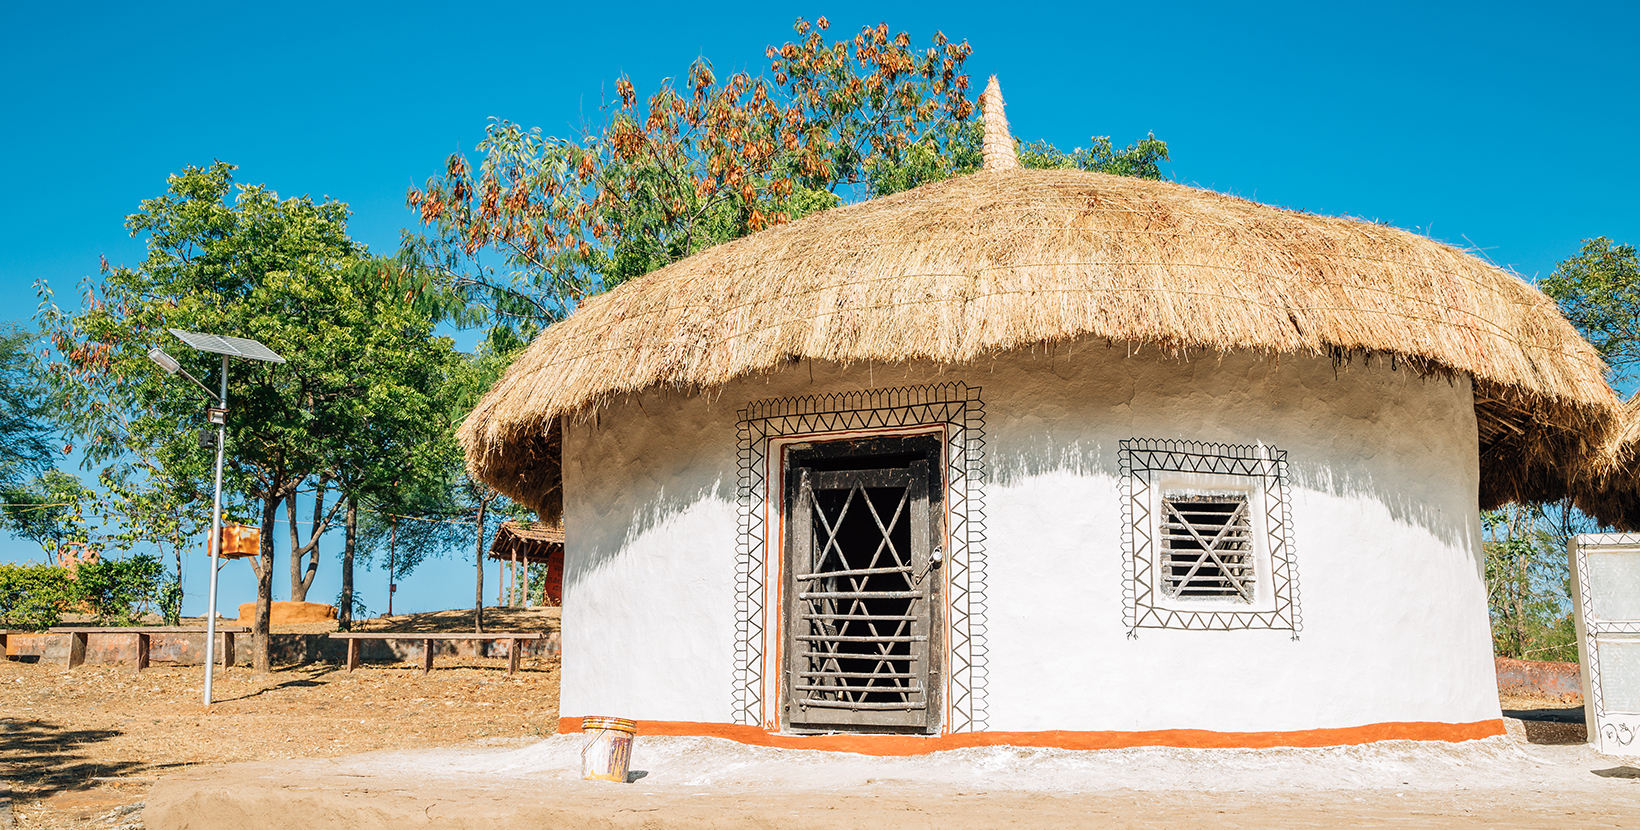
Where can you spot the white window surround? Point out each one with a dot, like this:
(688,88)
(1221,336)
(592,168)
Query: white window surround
(1153,469)
(1202,484)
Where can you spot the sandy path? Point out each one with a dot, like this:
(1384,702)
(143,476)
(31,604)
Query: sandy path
(705,782)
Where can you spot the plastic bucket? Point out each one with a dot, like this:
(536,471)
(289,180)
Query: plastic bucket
(606,753)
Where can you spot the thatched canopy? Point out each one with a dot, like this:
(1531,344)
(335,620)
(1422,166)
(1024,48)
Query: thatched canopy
(535,542)
(1611,492)
(1009,258)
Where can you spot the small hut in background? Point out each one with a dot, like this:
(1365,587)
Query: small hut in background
(529,543)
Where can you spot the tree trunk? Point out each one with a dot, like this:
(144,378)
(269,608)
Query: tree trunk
(304,559)
(262,657)
(478,594)
(344,615)
(298,589)
(176,548)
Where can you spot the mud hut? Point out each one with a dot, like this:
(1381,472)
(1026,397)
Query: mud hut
(1047,458)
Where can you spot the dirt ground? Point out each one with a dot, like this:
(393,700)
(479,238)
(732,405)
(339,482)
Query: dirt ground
(77,747)
(80,749)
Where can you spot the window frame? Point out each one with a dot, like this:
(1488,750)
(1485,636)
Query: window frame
(928,533)
(1153,470)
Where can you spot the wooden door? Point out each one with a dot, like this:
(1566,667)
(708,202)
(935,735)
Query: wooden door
(862,600)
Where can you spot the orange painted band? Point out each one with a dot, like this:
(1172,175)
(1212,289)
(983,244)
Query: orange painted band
(1191,738)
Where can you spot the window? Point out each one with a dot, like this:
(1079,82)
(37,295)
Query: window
(863,585)
(1205,537)
(1207,547)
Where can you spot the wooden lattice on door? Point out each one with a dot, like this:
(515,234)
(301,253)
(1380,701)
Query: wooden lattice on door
(863,579)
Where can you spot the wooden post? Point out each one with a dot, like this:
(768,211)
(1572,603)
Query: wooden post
(426,656)
(512,656)
(352,654)
(76,648)
(142,651)
(514,596)
(526,592)
(3,651)
(227,649)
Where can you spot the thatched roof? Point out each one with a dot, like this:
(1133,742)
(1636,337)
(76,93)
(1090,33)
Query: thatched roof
(527,541)
(1612,484)
(1009,258)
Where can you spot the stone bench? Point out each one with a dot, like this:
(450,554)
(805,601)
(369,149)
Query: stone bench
(79,636)
(513,638)
(4,633)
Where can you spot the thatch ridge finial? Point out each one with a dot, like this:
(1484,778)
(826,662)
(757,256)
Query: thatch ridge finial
(998,148)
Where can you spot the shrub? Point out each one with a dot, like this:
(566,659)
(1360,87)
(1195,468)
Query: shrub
(35,596)
(117,589)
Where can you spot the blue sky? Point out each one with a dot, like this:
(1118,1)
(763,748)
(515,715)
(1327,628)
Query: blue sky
(1509,127)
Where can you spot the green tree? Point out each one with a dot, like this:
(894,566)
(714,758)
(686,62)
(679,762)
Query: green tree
(25,430)
(432,507)
(961,153)
(52,509)
(160,502)
(396,439)
(1528,582)
(1599,292)
(281,271)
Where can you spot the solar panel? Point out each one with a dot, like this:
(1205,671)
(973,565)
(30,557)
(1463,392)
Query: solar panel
(235,346)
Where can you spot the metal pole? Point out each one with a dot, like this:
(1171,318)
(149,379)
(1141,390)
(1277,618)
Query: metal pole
(392,551)
(216,535)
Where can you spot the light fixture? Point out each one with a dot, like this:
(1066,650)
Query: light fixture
(227,347)
(165,361)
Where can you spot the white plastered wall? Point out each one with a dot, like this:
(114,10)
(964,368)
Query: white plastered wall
(1382,477)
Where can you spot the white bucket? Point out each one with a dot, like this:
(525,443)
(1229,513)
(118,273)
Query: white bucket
(606,753)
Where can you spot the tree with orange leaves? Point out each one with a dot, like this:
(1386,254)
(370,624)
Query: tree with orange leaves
(697,164)
(703,163)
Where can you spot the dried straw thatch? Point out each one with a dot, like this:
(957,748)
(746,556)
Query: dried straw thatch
(1010,258)
(1611,491)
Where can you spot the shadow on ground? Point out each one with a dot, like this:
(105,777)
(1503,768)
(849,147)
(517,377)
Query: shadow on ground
(1552,726)
(44,759)
(314,673)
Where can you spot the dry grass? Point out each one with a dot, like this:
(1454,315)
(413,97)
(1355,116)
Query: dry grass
(76,745)
(1613,494)
(1006,259)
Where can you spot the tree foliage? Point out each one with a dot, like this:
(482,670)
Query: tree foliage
(962,152)
(25,436)
(53,508)
(357,338)
(1599,292)
(34,596)
(1528,580)
(698,163)
(541,223)
(114,591)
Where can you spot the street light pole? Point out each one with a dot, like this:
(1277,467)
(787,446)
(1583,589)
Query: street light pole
(221,418)
(227,347)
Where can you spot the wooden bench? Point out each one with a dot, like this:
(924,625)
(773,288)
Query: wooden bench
(513,638)
(79,636)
